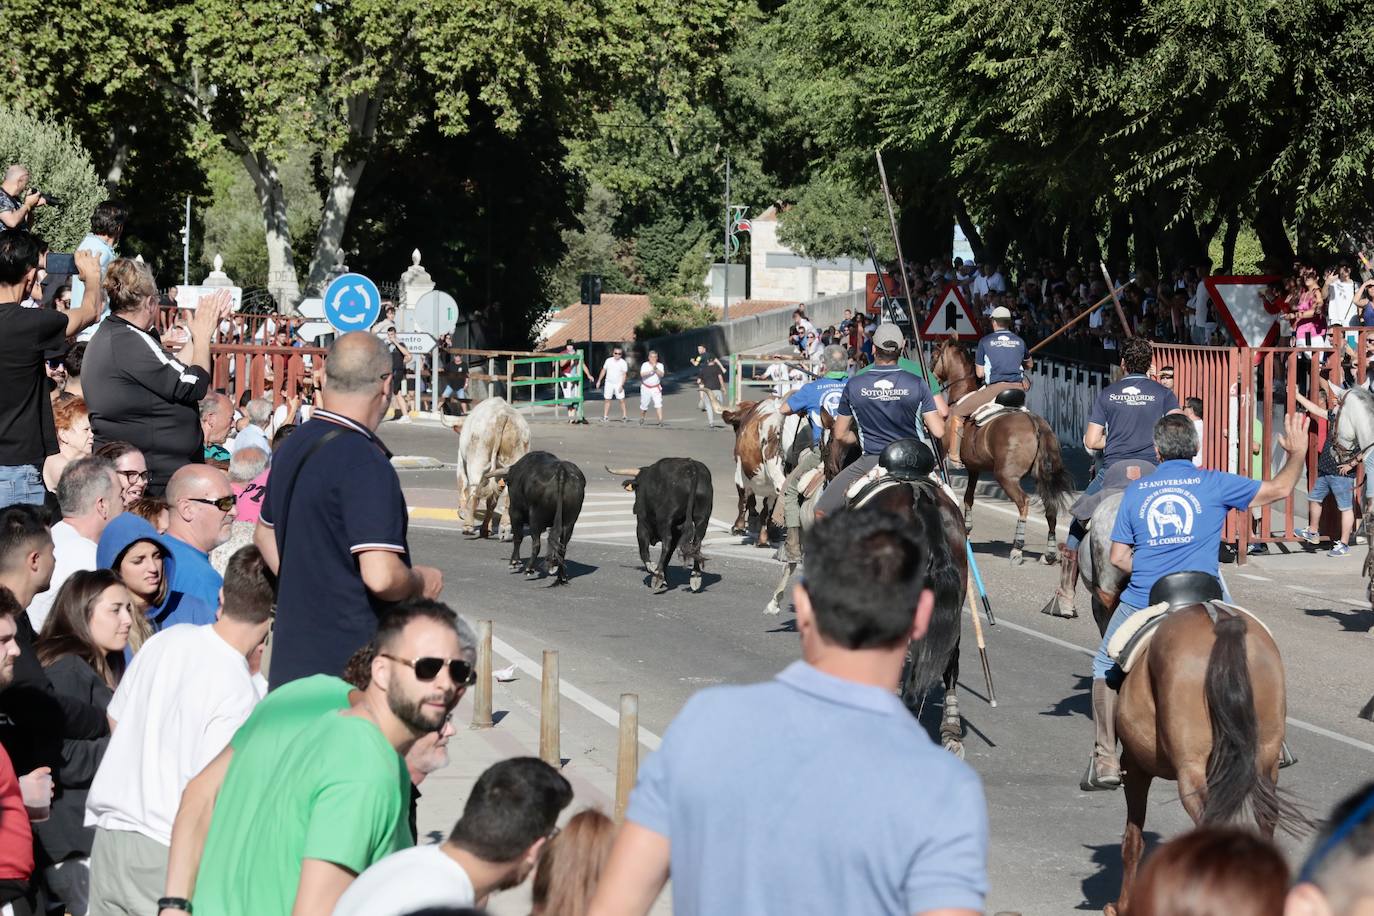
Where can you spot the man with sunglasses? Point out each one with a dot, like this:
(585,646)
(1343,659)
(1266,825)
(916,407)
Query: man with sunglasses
(613,372)
(202,508)
(300,823)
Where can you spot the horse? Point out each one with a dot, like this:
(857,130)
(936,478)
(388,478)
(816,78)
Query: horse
(1011,445)
(1354,436)
(1204,705)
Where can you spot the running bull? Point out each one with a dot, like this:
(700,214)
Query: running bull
(490,439)
(544,493)
(673,499)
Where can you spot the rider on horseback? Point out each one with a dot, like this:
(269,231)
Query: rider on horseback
(1172,520)
(886,403)
(1121,424)
(822,394)
(1000,362)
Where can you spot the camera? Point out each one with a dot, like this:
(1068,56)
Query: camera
(52,199)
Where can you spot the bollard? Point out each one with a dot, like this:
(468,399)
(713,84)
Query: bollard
(481,702)
(627,760)
(548,711)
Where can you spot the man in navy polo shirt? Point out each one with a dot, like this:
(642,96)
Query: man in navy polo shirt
(1171,522)
(822,394)
(818,791)
(1000,361)
(883,404)
(333,521)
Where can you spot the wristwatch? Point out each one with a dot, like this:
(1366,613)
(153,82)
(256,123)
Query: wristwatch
(174,903)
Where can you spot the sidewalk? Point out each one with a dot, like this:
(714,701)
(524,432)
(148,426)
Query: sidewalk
(588,753)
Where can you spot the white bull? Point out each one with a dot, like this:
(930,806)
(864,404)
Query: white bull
(491,438)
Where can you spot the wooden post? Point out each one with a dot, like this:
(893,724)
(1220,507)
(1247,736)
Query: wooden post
(548,711)
(627,760)
(481,702)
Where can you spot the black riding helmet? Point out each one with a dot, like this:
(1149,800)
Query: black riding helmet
(907,459)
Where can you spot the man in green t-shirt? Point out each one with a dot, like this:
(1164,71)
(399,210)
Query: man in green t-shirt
(296,822)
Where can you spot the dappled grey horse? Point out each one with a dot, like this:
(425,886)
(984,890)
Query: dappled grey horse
(1355,437)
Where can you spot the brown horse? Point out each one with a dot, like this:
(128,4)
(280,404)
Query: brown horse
(1204,706)
(1011,445)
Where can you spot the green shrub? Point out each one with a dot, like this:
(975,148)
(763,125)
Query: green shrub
(58,165)
(672,314)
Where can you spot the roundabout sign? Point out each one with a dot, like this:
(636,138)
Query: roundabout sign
(352,303)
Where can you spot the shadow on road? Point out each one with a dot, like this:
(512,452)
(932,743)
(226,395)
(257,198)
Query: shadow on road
(1078,703)
(1352,621)
(1103,887)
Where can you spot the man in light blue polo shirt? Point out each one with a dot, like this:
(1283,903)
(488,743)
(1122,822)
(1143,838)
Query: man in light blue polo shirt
(818,791)
(1171,522)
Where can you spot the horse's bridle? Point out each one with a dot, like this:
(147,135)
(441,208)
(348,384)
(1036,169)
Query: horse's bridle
(950,383)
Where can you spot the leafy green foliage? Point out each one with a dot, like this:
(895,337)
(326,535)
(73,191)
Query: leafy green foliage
(57,166)
(672,314)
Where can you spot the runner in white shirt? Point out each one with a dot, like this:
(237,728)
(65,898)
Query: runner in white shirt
(613,373)
(778,374)
(184,695)
(651,375)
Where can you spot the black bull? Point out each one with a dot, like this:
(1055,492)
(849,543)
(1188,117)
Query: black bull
(545,493)
(673,498)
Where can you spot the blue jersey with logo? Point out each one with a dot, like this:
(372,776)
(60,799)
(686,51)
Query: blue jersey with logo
(825,393)
(1174,518)
(1001,354)
(886,403)
(1129,410)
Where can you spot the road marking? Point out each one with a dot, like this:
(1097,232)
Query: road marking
(576,694)
(1254,577)
(1306,726)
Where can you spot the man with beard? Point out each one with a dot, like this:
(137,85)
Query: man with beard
(299,826)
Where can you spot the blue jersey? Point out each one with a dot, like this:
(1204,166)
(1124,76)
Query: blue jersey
(886,403)
(1173,519)
(824,393)
(1129,410)
(1001,354)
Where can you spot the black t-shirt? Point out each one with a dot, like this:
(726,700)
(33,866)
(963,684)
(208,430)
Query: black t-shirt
(27,434)
(9,202)
(710,375)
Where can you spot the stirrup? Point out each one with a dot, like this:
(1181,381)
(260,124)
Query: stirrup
(1092,782)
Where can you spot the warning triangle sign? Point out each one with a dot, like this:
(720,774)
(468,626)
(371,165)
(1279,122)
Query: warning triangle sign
(952,317)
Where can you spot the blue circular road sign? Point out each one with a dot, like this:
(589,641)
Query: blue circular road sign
(352,303)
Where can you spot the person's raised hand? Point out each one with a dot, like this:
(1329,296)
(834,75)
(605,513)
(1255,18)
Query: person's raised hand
(34,199)
(209,313)
(88,267)
(431,581)
(1294,440)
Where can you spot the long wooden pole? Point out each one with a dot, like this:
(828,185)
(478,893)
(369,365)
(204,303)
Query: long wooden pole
(549,750)
(1120,312)
(627,758)
(481,703)
(1079,317)
(982,647)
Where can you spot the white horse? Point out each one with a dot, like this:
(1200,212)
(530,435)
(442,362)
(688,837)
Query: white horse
(1354,437)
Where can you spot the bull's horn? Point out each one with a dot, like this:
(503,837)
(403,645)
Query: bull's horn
(498,474)
(623,472)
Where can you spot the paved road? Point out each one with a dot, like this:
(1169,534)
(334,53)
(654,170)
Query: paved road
(1055,849)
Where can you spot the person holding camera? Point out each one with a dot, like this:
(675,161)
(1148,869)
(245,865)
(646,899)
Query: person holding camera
(17,202)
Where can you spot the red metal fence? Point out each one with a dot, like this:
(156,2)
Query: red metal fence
(278,373)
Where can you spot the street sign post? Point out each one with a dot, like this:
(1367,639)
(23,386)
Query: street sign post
(352,303)
(952,317)
(436,313)
(417,342)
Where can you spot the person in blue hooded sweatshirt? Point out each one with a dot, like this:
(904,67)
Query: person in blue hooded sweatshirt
(142,560)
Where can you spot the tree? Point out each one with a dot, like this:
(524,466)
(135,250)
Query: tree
(59,167)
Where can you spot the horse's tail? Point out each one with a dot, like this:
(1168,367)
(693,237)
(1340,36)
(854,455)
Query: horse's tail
(1234,781)
(931,655)
(1052,481)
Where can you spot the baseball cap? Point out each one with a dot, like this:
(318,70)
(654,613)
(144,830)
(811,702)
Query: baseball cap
(1001,312)
(888,337)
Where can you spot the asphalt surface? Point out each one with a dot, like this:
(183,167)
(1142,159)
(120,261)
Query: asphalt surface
(1055,849)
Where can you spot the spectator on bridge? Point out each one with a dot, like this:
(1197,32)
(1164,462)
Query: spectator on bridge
(74,439)
(26,411)
(1212,871)
(177,706)
(1338,877)
(570,865)
(202,505)
(22,798)
(137,553)
(216,419)
(509,817)
(258,412)
(342,555)
(140,394)
(130,467)
(611,381)
(81,648)
(88,495)
(718,804)
(335,793)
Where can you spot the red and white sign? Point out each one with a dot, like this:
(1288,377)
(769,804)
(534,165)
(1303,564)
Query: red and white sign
(1250,311)
(873,290)
(952,317)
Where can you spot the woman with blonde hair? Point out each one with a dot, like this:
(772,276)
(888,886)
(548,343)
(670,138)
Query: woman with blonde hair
(570,864)
(74,439)
(137,391)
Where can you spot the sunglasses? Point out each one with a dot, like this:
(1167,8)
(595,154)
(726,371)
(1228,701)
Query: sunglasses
(223,504)
(133,477)
(427,669)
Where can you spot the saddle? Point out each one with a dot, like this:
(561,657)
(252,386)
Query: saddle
(1119,476)
(1172,593)
(810,483)
(878,480)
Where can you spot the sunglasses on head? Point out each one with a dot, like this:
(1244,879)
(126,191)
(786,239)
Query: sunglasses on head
(427,669)
(223,504)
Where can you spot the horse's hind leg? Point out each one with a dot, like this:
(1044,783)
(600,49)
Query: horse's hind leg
(1136,783)
(1051,554)
(969,490)
(1012,487)
(952,724)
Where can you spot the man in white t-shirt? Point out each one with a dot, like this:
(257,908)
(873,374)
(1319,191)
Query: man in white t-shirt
(777,373)
(181,700)
(611,381)
(88,492)
(1201,322)
(509,816)
(651,375)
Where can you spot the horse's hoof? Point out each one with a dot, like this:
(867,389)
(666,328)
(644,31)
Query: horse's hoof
(1056,608)
(1017,558)
(738,530)
(531,574)
(661,588)
(955,747)
(1050,557)
(695,584)
(773,609)
(507,538)
(1109,910)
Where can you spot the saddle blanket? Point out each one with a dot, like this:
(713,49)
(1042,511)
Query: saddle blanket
(1130,640)
(982,415)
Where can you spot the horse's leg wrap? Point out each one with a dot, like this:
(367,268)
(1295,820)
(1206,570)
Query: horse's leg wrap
(952,726)
(1018,540)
